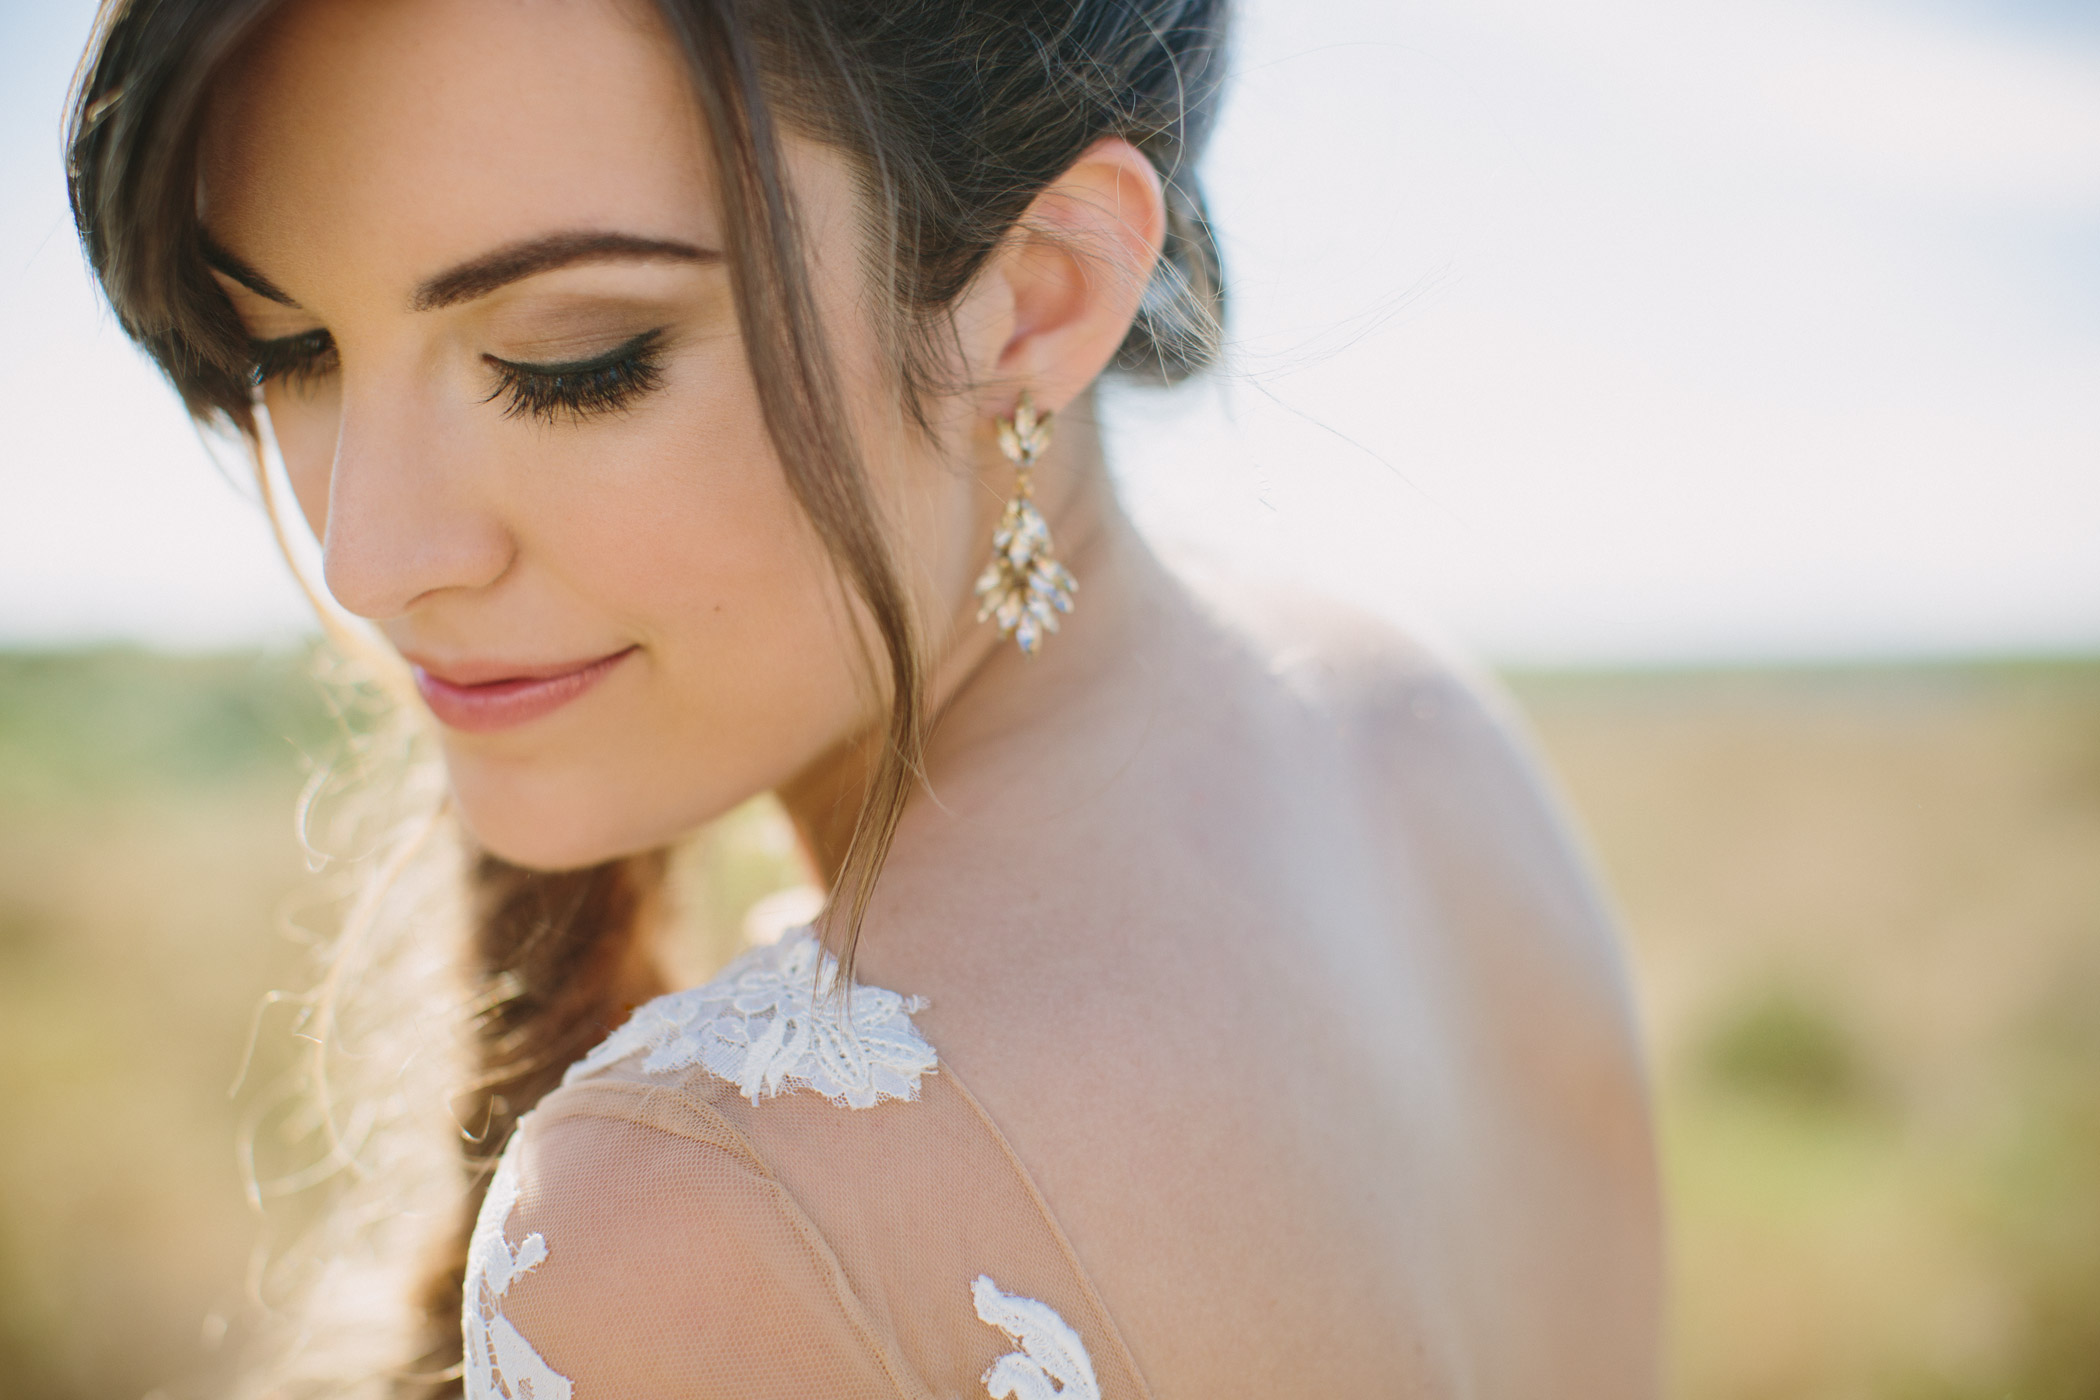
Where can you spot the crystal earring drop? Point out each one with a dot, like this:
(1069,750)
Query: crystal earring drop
(1024,587)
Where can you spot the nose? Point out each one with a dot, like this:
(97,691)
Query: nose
(410,514)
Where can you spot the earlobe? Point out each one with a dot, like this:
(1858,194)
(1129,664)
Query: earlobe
(1075,268)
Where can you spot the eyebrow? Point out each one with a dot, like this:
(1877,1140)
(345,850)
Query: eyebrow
(477,277)
(219,260)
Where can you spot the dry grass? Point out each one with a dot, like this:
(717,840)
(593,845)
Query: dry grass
(1865,912)
(145,850)
(1865,915)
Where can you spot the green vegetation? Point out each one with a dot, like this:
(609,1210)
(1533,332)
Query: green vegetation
(109,726)
(146,850)
(1786,1047)
(1863,907)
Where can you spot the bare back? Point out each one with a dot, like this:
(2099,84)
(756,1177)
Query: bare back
(1280,973)
(1240,1026)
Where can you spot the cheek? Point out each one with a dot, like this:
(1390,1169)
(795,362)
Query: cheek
(304,423)
(677,530)
(709,557)
(683,526)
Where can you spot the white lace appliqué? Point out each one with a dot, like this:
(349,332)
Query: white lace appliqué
(764,1025)
(1052,1363)
(501,1364)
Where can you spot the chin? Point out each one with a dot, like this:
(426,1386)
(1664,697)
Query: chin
(551,825)
(540,846)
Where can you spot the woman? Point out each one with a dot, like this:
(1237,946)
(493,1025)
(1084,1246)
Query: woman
(1229,1017)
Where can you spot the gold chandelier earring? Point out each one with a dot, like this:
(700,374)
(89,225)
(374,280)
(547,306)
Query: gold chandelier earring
(1024,587)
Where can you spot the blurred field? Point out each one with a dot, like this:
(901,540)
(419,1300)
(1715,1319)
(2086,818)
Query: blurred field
(1865,916)
(1864,907)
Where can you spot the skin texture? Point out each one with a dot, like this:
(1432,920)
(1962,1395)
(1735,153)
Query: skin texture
(1247,919)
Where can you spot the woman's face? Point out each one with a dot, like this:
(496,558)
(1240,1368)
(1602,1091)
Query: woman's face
(480,246)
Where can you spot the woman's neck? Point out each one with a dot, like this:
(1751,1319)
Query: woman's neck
(984,689)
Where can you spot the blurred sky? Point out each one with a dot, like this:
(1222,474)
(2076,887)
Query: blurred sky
(1627,331)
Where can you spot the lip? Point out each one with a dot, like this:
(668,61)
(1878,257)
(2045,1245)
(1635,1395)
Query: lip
(479,697)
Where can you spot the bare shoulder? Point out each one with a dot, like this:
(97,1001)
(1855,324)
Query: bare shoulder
(1443,772)
(625,1257)
(1510,964)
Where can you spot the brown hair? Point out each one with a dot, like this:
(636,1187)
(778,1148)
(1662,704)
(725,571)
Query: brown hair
(955,114)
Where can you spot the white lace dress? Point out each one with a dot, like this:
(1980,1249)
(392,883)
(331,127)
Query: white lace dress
(745,1191)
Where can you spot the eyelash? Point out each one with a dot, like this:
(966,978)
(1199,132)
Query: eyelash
(572,391)
(295,359)
(583,389)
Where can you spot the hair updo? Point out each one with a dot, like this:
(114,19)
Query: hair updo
(955,115)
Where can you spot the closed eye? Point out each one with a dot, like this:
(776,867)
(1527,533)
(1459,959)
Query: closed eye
(293,359)
(574,390)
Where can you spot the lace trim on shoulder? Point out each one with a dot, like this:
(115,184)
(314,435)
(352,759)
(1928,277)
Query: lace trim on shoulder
(501,1364)
(765,1025)
(1052,1363)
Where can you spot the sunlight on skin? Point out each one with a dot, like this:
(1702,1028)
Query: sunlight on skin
(1198,796)
(357,156)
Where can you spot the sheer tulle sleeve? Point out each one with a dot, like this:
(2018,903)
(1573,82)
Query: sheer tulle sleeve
(659,1259)
(749,1193)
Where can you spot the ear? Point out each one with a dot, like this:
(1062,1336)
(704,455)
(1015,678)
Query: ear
(1056,299)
